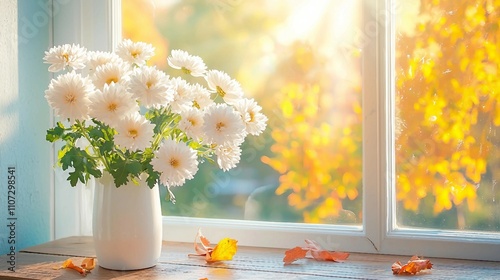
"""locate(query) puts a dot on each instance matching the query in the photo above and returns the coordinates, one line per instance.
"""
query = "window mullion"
(373, 122)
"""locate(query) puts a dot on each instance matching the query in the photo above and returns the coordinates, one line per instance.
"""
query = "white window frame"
(97, 25)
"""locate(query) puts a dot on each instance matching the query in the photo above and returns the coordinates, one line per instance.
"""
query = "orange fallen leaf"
(223, 251)
(294, 254)
(69, 264)
(412, 267)
(329, 256)
(88, 264)
(316, 252)
(323, 255)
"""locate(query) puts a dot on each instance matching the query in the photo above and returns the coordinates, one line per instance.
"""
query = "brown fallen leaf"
(223, 251)
(412, 267)
(316, 252)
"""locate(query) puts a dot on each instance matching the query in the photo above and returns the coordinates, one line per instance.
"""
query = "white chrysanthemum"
(228, 156)
(151, 87)
(192, 123)
(223, 125)
(176, 162)
(135, 132)
(135, 52)
(183, 95)
(255, 121)
(220, 82)
(72, 56)
(112, 103)
(68, 95)
(98, 58)
(189, 64)
(201, 97)
(111, 73)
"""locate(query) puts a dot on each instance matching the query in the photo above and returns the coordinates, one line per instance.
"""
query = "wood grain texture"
(39, 262)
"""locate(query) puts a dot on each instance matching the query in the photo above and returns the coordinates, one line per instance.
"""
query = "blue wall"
(24, 146)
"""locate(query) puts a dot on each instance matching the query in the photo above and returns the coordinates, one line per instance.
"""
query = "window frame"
(378, 233)
(95, 25)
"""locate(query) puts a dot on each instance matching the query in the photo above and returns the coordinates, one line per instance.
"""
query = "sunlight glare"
(303, 19)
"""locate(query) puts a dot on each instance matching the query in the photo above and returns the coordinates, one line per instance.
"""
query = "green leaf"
(153, 178)
(68, 157)
(92, 170)
(55, 133)
(73, 178)
(71, 137)
(84, 165)
(106, 147)
(95, 132)
(133, 167)
(159, 118)
(123, 168)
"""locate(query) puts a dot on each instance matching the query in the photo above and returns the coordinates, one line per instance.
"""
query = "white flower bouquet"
(135, 119)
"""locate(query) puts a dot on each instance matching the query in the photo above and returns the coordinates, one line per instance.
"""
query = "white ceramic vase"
(127, 225)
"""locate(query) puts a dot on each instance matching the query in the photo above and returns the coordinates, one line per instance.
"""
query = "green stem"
(96, 149)
(164, 131)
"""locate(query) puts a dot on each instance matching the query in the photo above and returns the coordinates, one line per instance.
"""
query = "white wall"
(24, 119)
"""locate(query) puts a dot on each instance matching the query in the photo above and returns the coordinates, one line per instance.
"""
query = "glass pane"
(448, 114)
(301, 62)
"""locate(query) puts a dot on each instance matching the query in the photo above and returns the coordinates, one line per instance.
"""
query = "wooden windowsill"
(38, 262)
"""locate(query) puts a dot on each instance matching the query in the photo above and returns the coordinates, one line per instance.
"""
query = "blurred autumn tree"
(448, 114)
(317, 149)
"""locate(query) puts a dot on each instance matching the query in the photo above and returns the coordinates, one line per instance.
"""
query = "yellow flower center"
(112, 107)
(70, 98)
(149, 84)
(133, 133)
(196, 105)
(185, 70)
(66, 57)
(192, 122)
(219, 126)
(220, 91)
(135, 53)
(112, 79)
(174, 162)
(252, 116)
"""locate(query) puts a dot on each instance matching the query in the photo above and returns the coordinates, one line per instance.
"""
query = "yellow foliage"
(443, 201)
(448, 99)
(317, 156)
(224, 250)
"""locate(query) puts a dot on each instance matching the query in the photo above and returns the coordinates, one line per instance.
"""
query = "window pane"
(448, 114)
(300, 61)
